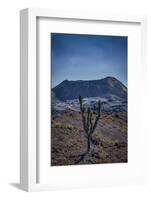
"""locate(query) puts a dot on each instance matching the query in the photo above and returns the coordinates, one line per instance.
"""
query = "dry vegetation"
(68, 143)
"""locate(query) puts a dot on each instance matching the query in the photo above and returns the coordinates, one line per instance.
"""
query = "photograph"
(88, 99)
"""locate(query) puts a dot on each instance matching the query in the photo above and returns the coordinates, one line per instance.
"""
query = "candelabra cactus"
(89, 125)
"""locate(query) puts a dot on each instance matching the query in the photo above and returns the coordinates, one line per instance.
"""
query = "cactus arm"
(95, 124)
(83, 119)
(88, 120)
(96, 119)
(82, 109)
(91, 124)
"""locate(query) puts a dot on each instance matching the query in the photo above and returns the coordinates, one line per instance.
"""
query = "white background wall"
(9, 97)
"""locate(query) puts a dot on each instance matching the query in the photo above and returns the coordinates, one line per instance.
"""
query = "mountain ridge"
(68, 90)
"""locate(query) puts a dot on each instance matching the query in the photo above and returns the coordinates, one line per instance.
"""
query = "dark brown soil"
(68, 141)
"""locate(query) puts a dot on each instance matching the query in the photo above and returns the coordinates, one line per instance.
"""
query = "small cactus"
(88, 125)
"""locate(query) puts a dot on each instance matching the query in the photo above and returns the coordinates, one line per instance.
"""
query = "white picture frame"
(29, 148)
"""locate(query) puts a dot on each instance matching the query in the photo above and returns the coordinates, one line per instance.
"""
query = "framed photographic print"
(82, 78)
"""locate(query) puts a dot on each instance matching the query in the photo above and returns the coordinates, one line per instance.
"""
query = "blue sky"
(88, 57)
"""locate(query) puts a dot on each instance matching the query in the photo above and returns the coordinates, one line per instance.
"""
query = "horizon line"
(89, 80)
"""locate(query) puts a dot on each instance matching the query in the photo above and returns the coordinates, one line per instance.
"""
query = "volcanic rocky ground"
(68, 141)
